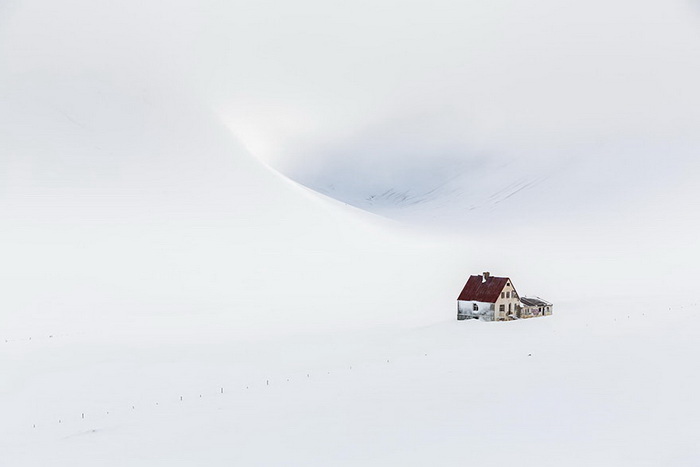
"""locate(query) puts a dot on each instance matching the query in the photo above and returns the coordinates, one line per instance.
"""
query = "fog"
(400, 108)
(305, 84)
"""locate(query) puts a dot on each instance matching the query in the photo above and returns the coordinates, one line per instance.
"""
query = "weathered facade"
(532, 307)
(488, 298)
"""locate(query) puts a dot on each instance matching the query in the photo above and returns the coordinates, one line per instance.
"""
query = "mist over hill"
(574, 109)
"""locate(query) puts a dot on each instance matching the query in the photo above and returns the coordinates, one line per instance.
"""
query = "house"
(488, 298)
(534, 306)
(492, 298)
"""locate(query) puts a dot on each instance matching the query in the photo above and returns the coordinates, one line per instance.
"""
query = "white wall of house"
(484, 310)
(507, 302)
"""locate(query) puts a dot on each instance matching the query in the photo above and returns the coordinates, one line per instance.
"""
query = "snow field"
(583, 386)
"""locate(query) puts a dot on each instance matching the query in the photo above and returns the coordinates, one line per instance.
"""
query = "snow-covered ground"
(169, 296)
(602, 384)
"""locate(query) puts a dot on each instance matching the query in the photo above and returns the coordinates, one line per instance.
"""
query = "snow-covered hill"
(169, 296)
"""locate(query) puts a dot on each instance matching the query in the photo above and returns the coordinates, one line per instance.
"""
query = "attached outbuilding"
(532, 307)
(488, 298)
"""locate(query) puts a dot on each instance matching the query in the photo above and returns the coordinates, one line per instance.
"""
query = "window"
(502, 308)
(503, 295)
(475, 307)
(507, 294)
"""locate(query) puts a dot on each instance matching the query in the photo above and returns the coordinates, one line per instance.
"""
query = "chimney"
(486, 275)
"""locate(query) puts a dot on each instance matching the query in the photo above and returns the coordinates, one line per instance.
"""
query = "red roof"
(479, 290)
